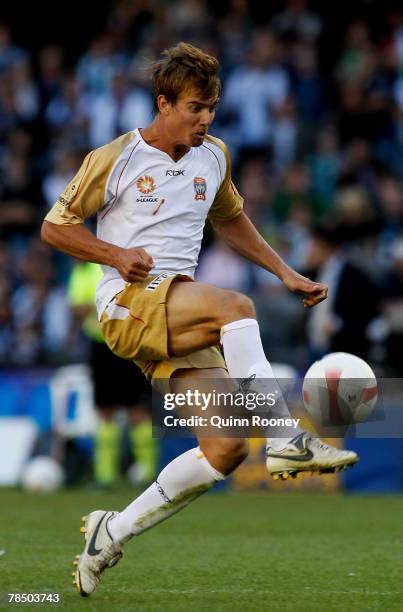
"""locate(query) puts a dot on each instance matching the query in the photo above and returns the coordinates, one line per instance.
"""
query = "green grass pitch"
(227, 551)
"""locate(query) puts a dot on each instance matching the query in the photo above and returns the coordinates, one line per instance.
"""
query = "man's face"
(188, 120)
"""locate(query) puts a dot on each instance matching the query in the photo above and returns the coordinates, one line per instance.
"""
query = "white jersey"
(144, 199)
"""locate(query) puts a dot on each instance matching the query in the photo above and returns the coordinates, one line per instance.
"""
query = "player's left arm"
(235, 228)
(242, 236)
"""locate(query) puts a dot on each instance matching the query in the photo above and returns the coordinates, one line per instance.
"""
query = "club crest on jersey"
(146, 184)
(200, 186)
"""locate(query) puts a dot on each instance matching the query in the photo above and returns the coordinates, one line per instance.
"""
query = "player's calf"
(225, 454)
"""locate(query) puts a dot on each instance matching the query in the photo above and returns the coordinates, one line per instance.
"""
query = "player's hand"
(312, 292)
(134, 265)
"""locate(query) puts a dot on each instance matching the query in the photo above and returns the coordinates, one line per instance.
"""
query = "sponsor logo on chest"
(146, 185)
(175, 172)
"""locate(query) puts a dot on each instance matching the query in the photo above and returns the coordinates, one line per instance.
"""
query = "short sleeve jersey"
(143, 199)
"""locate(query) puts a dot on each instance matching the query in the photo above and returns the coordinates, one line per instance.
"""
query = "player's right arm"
(64, 229)
(133, 265)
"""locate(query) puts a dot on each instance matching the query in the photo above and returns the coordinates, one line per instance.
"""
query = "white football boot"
(305, 453)
(100, 552)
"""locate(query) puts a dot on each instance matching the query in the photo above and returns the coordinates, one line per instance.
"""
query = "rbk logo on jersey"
(200, 187)
(175, 173)
(146, 184)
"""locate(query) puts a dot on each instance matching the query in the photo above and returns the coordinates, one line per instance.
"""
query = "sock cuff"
(207, 465)
(238, 325)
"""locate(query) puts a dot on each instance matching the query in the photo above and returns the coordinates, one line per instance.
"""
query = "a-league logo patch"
(200, 186)
(146, 184)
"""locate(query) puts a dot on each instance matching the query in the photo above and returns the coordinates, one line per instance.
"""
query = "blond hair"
(183, 67)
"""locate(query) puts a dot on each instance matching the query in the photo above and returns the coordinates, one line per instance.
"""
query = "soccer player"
(153, 189)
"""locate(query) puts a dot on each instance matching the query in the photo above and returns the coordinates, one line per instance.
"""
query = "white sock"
(179, 483)
(244, 356)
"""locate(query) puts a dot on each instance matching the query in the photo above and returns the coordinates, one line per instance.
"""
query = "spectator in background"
(392, 310)
(40, 311)
(255, 187)
(365, 92)
(308, 85)
(341, 324)
(66, 115)
(65, 164)
(354, 63)
(297, 21)
(353, 120)
(253, 93)
(138, 24)
(358, 166)
(10, 55)
(324, 164)
(188, 19)
(19, 143)
(97, 67)
(234, 27)
(359, 216)
(285, 136)
(26, 96)
(8, 114)
(20, 199)
(117, 384)
(222, 267)
(51, 72)
(389, 193)
(119, 110)
(295, 192)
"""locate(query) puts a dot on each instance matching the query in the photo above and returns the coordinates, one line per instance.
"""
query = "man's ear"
(164, 106)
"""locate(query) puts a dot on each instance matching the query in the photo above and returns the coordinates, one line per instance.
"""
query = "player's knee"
(227, 454)
(237, 306)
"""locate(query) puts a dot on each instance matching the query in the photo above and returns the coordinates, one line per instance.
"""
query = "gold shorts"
(134, 325)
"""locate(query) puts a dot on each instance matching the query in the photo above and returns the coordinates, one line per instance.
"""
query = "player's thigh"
(197, 311)
(224, 453)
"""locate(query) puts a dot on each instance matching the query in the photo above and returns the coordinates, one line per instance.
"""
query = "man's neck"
(157, 136)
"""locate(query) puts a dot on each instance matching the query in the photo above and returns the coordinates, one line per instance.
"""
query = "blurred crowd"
(317, 148)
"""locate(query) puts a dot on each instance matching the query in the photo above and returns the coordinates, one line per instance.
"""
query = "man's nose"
(205, 117)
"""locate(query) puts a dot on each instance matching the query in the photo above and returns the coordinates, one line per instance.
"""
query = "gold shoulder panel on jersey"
(221, 144)
(85, 193)
(227, 204)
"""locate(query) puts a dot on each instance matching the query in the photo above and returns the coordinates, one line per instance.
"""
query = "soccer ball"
(340, 389)
(42, 474)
